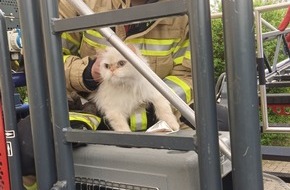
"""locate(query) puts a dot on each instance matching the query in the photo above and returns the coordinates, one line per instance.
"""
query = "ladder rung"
(278, 84)
(121, 16)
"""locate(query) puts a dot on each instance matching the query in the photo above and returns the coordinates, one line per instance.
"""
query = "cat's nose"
(112, 68)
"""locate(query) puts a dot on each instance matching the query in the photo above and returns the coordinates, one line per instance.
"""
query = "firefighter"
(164, 42)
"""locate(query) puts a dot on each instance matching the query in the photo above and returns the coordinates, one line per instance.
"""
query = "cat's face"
(115, 68)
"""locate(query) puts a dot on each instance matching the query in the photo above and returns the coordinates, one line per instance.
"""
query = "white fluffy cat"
(124, 90)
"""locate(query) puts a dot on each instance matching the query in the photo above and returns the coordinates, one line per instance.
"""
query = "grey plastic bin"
(112, 167)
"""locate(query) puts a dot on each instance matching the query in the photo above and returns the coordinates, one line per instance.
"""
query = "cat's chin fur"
(120, 96)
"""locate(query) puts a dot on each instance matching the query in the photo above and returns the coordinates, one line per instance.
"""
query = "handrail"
(260, 37)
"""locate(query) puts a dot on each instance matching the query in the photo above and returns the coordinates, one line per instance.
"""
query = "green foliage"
(218, 47)
(272, 17)
(275, 139)
(23, 93)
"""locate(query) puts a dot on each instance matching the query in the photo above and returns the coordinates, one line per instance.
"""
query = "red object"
(287, 38)
(283, 25)
(280, 109)
(4, 171)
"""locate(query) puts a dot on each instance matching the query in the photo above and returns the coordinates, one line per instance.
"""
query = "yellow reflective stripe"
(153, 47)
(138, 121)
(156, 53)
(182, 52)
(94, 33)
(69, 45)
(179, 60)
(65, 57)
(185, 94)
(93, 43)
(91, 120)
(185, 43)
(150, 47)
(31, 187)
(133, 123)
(66, 51)
(68, 37)
(95, 39)
(187, 54)
(153, 41)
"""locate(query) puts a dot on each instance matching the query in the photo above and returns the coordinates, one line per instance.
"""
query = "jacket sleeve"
(74, 68)
(77, 69)
(180, 79)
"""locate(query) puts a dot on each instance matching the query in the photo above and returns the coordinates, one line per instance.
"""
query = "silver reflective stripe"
(155, 47)
(151, 47)
(181, 52)
(176, 88)
(138, 124)
(96, 40)
(70, 46)
(138, 121)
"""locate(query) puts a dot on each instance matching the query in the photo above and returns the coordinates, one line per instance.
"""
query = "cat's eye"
(106, 65)
(121, 63)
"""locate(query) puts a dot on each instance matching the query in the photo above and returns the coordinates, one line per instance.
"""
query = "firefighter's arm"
(180, 79)
(78, 74)
(70, 40)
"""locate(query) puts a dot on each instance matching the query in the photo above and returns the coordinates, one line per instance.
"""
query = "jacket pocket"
(164, 66)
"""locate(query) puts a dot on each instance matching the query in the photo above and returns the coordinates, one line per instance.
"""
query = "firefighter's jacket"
(164, 42)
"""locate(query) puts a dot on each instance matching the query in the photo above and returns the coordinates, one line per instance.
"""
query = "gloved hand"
(95, 71)
(91, 75)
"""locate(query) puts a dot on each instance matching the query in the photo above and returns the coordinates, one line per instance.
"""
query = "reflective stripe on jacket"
(91, 121)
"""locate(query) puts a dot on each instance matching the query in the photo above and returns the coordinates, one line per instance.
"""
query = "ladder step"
(275, 153)
(278, 84)
(281, 98)
(282, 77)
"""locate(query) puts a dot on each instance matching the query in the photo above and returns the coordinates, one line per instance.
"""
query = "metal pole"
(58, 98)
(37, 92)
(242, 92)
(205, 101)
(9, 108)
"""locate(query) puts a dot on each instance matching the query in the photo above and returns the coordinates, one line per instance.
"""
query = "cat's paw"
(173, 124)
(122, 128)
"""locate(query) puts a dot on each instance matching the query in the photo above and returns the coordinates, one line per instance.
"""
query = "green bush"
(275, 139)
